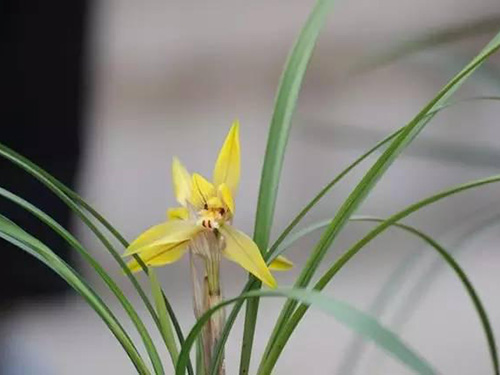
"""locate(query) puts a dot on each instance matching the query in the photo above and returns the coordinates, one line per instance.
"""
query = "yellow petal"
(182, 182)
(159, 255)
(166, 233)
(178, 213)
(227, 167)
(202, 191)
(226, 196)
(214, 202)
(280, 264)
(241, 249)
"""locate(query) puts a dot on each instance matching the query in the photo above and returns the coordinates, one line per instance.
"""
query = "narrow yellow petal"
(227, 167)
(166, 233)
(159, 255)
(226, 197)
(202, 191)
(178, 213)
(242, 250)
(182, 182)
(280, 264)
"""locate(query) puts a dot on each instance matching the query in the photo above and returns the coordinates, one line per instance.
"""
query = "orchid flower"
(202, 223)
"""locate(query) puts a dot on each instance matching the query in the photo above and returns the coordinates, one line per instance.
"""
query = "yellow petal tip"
(181, 181)
(227, 166)
(281, 264)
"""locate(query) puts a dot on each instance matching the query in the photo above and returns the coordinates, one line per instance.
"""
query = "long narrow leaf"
(283, 243)
(297, 219)
(237, 307)
(423, 286)
(293, 321)
(284, 107)
(76, 245)
(386, 159)
(341, 311)
(18, 237)
(373, 175)
(165, 323)
(48, 180)
(117, 235)
(451, 262)
(69, 197)
(395, 282)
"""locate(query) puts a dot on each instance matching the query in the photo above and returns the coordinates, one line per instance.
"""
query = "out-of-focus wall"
(168, 79)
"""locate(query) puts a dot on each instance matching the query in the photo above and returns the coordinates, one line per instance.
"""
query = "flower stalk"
(207, 293)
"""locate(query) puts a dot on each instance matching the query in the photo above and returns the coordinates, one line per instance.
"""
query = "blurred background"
(103, 93)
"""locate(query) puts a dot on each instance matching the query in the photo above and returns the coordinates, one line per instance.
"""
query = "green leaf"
(46, 179)
(286, 100)
(396, 281)
(370, 179)
(297, 219)
(278, 243)
(200, 369)
(282, 243)
(386, 159)
(448, 258)
(341, 311)
(293, 321)
(165, 323)
(284, 107)
(18, 237)
(74, 201)
(106, 224)
(76, 245)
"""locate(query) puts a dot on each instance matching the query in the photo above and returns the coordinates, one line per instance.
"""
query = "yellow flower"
(203, 221)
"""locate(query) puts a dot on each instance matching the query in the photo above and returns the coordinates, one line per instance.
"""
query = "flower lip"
(213, 216)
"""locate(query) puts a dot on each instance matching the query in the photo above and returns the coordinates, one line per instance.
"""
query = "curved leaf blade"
(370, 179)
(75, 203)
(341, 311)
(165, 323)
(76, 245)
(297, 315)
(18, 237)
(284, 241)
(284, 107)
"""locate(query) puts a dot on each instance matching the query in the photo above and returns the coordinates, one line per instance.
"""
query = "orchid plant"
(202, 228)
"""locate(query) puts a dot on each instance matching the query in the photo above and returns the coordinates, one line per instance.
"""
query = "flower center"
(211, 217)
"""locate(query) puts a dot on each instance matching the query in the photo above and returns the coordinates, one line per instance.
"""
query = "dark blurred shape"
(42, 88)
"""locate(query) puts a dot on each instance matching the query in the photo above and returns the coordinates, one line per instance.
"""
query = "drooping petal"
(241, 249)
(202, 191)
(226, 197)
(170, 232)
(182, 182)
(159, 255)
(227, 167)
(281, 264)
(178, 213)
